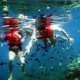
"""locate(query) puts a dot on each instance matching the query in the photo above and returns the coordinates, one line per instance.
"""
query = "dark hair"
(49, 15)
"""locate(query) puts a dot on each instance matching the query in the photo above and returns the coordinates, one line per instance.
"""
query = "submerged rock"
(73, 71)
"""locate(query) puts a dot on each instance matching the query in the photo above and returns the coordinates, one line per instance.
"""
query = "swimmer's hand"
(70, 40)
(27, 49)
(17, 34)
(22, 40)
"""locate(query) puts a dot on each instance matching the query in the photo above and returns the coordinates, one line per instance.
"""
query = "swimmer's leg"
(45, 41)
(52, 41)
(22, 59)
(11, 58)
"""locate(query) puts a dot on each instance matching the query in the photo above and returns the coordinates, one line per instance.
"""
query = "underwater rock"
(73, 71)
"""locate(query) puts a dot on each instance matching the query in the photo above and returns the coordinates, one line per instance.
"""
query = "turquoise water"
(42, 65)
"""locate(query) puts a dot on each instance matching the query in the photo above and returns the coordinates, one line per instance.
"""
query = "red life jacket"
(12, 38)
(10, 21)
(45, 33)
(50, 32)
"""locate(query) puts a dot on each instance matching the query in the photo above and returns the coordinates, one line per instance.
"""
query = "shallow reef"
(73, 71)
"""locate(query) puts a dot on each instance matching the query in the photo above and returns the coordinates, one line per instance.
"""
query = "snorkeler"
(15, 39)
(45, 30)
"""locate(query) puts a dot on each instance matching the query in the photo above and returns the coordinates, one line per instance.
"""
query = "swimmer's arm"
(64, 33)
(68, 38)
(25, 36)
(31, 42)
(28, 47)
